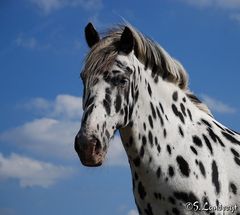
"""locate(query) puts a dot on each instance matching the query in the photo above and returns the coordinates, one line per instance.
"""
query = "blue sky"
(42, 48)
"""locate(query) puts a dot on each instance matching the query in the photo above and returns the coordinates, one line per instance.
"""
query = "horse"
(182, 160)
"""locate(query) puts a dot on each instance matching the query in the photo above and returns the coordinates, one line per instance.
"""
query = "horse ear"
(126, 44)
(91, 35)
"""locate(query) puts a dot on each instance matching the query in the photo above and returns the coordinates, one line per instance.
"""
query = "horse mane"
(152, 55)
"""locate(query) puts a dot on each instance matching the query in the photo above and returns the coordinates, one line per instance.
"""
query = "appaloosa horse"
(182, 160)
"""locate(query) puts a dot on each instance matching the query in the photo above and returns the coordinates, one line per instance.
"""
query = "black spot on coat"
(208, 144)
(169, 149)
(231, 138)
(183, 166)
(150, 121)
(186, 197)
(233, 188)
(183, 109)
(206, 123)
(214, 137)
(235, 153)
(237, 160)
(202, 168)
(149, 90)
(142, 151)
(141, 190)
(153, 110)
(158, 172)
(189, 114)
(137, 161)
(170, 171)
(197, 141)
(178, 113)
(180, 131)
(150, 138)
(148, 210)
(118, 103)
(194, 150)
(215, 177)
(175, 96)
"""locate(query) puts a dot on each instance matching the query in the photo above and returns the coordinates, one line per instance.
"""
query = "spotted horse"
(182, 160)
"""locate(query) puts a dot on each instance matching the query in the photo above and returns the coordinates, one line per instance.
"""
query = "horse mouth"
(91, 160)
(91, 163)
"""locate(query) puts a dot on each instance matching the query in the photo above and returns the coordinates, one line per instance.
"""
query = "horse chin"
(92, 160)
(92, 164)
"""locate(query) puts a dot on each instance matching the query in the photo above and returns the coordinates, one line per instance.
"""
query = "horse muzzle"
(89, 150)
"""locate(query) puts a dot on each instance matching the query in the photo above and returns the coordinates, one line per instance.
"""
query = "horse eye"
(123, 81)
(119, 81)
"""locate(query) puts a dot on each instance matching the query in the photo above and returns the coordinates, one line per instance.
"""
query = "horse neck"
(155, 121)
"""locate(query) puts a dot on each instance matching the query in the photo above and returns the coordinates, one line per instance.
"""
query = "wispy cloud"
(25, 42)
(224, 4)
(218, 106)
(52, 134)
(48, 6)
(96, 20)
(232, 6)
(89, 4)
(31, 172)
(29, 42)
(200, 3)
(235, 17)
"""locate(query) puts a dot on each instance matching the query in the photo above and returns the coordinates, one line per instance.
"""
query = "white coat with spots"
(182, 160)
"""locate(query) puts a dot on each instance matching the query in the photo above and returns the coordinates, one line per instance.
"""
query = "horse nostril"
(77, 146)
(97, 146)
(96, 143)
(83, 144)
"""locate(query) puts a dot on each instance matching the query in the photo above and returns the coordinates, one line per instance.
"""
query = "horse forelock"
(103, 54)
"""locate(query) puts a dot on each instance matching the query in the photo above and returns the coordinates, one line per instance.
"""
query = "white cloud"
(217, 106)
(69, 106)
(199, 3)
(132, 212)
(45, 136)
(31, 172)
(235, 17)
(116, 155)
(48, 6)
(231, 4)
(88, 4)
(63, 106)
(53, 134)
(29, 43)
(225, 4)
